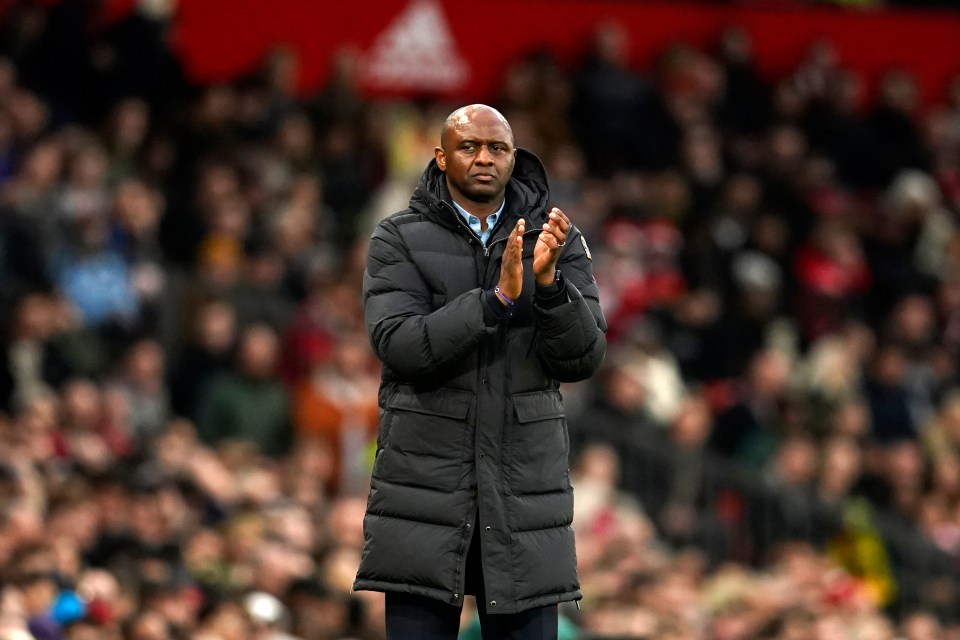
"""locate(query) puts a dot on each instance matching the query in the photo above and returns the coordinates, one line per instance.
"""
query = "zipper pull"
(486, 251)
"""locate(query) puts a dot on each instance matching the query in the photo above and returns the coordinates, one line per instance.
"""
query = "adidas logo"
(416, 52)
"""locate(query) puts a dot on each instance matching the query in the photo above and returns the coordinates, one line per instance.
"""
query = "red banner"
(460, 50)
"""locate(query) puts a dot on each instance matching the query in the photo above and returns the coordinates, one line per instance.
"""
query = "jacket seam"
(417, 486)
(418, 520)
(535, 529)
(550, 492)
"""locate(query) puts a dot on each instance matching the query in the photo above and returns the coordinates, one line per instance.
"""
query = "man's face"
(477, 154)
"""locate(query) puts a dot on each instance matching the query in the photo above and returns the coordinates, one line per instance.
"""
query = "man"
(479, 301)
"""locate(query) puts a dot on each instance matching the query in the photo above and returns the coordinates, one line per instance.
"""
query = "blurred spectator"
(261, 296)
(331, 310)
(750, 429)
(791, 473)
(136, 217)
(941, 434)
(887, 396)
(860, 550)
(833, 276)
(96, 279)
(85, 193)
(746, 98)
(207, 354)
(33, 366)
(615, 115)
(83, 437)
(619, 414)
(840, 467)
(893, 120)
(921, 626)
(142, 385)
(247, 403)
(318, 612)
(689, 511)
(337, 405)
(31, 195)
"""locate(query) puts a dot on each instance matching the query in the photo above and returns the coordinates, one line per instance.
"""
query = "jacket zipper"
(473, 236)
(486, 249)
(472, 240)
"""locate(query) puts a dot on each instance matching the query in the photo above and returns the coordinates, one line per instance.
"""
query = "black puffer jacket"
(471, 416)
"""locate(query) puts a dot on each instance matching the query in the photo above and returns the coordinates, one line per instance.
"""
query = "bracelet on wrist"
(505, 299)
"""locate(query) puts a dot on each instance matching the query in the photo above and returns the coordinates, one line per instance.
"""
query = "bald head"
(477, 155)
(465, 116)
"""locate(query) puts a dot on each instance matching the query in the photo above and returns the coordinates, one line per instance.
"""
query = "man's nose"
(483, 155)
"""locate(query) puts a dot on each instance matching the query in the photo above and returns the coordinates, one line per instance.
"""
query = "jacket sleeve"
(571, 338)
(414, 340)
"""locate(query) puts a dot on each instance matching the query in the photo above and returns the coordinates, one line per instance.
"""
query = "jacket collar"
(527, 195)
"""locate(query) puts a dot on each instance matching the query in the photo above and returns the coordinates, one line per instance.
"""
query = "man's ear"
(441, 158)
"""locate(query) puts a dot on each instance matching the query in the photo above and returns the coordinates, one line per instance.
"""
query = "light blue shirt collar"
(474, 222)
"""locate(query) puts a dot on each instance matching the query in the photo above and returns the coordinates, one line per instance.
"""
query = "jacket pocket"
(424, 443)
(536, 445)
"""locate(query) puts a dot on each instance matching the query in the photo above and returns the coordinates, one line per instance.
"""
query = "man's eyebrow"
(475, 139)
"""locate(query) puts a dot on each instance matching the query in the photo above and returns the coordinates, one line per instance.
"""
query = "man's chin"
(485, 196)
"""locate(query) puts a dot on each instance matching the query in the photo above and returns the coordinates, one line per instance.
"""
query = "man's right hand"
(511, 268)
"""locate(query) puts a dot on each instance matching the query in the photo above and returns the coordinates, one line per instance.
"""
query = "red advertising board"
(460, 49)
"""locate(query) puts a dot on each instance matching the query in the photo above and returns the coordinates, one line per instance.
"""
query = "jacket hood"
(527, 192)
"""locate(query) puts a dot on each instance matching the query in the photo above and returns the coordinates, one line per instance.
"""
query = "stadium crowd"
(772, 450)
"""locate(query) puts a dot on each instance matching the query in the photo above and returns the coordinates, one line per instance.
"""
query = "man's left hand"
(549, 245)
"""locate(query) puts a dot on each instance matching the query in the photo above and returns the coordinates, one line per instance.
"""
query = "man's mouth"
(483, 177)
